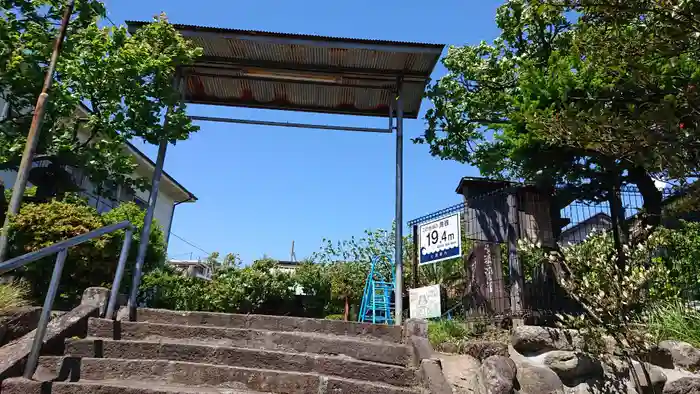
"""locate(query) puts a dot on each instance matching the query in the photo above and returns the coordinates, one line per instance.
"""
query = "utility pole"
(34, 131)
(293, 256)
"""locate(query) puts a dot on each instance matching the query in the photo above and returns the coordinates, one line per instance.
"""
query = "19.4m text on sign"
(440, 240)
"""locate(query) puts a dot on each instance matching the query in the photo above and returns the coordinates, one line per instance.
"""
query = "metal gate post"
(148, 219)
(398, 291)
(146, 231)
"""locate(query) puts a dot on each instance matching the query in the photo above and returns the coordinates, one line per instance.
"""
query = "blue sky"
(259, 188)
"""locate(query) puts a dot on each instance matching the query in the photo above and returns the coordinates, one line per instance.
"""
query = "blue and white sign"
(440, 240)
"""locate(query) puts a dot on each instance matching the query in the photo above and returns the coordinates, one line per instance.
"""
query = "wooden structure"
(496, 213)
(486, 214)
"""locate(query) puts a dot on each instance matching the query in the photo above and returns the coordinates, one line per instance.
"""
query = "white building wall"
(164, 209)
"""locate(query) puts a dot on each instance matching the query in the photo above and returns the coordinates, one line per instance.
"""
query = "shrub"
(613, 292)
(40, 225)
(680, 253)
(12, 295)
(256, 289)
(336, 316)
(92, 263)
(156, 252)
(165, 288)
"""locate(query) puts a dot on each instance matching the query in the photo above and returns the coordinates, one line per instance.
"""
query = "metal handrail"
(62, 249)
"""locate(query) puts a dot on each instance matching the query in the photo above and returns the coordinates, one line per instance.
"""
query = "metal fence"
(493, 279)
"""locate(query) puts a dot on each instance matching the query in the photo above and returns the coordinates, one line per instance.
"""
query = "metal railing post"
(33, 359)
(109, 314)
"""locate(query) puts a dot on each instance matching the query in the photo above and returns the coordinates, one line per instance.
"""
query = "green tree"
(213, 262)
(627, 86)
(347, 281)
(349, 262)
(314, 280)
(379, 242)
(232, 260)
(525, 106)
(124, 81)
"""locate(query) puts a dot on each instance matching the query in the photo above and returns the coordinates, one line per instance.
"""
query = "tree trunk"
(346, 315)
(652, 196)
(619, 226)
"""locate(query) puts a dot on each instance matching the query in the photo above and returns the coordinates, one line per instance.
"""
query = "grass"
(12, 295)
(674, 321)
(452, 336)
(445, 331)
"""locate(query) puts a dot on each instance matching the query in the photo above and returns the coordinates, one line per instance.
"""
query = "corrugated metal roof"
(305, 72)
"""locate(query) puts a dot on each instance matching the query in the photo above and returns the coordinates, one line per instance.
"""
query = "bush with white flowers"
(613, 292)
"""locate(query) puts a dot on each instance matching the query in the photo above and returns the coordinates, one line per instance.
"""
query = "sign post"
(440, 240)
(414, 256)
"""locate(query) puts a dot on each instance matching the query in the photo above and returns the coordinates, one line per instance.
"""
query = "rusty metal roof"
(305, 72)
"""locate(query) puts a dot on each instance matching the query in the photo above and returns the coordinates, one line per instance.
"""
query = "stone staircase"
(197, 352)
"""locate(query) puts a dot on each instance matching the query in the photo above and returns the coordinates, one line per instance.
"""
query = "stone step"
(241, 357)
(24, 386)
(213, 377)
(273, 323)
(377, 351)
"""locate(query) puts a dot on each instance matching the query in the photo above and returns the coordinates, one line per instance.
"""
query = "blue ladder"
(378, 297)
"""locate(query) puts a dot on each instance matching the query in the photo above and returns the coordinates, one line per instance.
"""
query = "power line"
(111, 21)
(106, 16)
(189, 243)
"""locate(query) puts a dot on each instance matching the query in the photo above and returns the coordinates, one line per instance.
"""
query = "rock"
(570, 366)
(96, 296)
(18, 322)
(683, 386)
(659, 356)
(615, 366)
(603, 386)
(532, 379)
(655, 382)
(515, 356)
(462, 372)
(610, 345)
(448, 347)
(482, 350)
(412, 327)
(498, 374)
(534, 339)
(683, 354)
